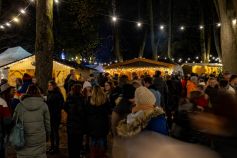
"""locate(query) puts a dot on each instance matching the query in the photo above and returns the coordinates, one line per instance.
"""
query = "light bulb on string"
(16, 20)
(201, 27)
(32, 0)
(8, 24)
(114, 18)
(197, 58)
(139, 24)
(56, 1)
(2, 27)
(182, 28)
(218, 25)
(234, 21)
(23, 11)
(162, 27)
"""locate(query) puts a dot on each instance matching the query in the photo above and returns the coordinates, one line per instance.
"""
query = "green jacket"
(34, 113)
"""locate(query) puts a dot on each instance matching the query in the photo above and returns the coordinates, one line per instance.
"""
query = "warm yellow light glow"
(234, 21)
(114, 19)
(23, 11)
(16, 20)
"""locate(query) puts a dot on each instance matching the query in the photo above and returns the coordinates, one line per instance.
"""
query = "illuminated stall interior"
(140, 66)
(14, 62)
(200, 68)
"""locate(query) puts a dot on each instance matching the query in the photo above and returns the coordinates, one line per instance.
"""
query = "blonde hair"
(98, 96)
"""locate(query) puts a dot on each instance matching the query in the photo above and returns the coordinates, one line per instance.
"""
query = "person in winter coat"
(147, 82)
(145, 116)
(161, 86)
(66, 87)
(98, 122)
(33, 111)
(124, 105)
(5, 121)
(76, 120)
(111, 94)
(27, 81)
(55, 103)
(192, 85)
(212, 89)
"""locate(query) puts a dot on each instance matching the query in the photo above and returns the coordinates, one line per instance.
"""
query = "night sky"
(185, 12)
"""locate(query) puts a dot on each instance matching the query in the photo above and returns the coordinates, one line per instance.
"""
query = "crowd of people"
(193, 108)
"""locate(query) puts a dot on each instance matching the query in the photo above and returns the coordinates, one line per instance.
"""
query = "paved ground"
(63, 147)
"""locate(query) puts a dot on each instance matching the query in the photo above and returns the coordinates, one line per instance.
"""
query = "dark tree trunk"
(209, 36)
(154, 43)
(202, 35)
(141, 52)
(116, 36)
(228, 35)
(44, 44)
(169, 53)
(0, 7)
(117, 45)
(217, 42)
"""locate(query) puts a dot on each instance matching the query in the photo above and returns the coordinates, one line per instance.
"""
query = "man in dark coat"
(161, 86)
(66, 82)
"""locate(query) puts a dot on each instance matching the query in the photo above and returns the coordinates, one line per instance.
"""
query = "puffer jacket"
(34, 113)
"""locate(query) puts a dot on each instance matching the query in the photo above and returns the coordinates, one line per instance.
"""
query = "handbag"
(16, 138)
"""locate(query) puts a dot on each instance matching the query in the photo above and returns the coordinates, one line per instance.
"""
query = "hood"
(32, 103)
(136, 122)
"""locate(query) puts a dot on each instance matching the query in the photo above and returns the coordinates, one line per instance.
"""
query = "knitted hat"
(144, 96)
(86, 84)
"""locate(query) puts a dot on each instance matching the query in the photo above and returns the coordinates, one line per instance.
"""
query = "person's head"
(52, 85)
(98, 97)
(76, 89)
(73, 77)
(72, 71)
(109, 86)
(212, 82)
(128, 91)
(87, 85)
(147, 81)
(19, 81)
(224, 84)
(144, 96)
(233, 81)
(194, 96)
(201, 87)
(136, 83)
(158, 73)
(194, 79)
(33, 91)
(123, 80)
(227, 75)
(34, 80)
(26, 78)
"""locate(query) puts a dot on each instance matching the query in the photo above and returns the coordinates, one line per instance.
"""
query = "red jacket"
(5, 116)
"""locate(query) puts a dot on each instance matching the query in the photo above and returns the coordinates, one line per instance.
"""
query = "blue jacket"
(158, 124)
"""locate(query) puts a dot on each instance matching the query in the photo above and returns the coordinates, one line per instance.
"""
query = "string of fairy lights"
(115, 20)
(17, 19)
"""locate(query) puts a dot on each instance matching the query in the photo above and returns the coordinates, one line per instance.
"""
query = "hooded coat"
(34, 113)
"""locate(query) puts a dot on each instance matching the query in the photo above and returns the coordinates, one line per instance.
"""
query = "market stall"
(200, 68)
(140, 66)
(14, 62)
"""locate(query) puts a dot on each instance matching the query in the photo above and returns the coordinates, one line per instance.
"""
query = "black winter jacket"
(55, 102)
(98, 120)
(76, 119)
